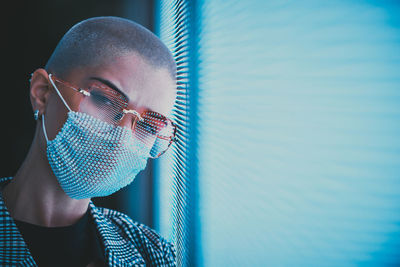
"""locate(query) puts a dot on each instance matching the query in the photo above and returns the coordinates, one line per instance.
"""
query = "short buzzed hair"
(96, 40)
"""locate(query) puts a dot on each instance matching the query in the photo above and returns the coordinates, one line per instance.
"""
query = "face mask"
(92, 158)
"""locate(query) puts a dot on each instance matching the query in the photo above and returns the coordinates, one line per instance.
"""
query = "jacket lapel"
(119, 251)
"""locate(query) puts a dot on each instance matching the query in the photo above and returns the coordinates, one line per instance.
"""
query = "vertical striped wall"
(297, 120)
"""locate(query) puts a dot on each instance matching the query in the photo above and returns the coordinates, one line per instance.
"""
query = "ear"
(40, 90)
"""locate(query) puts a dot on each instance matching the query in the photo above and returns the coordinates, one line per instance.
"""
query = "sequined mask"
(92, 158)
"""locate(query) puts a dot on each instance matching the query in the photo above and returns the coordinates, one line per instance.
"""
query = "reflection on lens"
(104, 104)
(156, 132)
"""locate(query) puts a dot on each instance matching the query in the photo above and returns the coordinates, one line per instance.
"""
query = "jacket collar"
(14, 251)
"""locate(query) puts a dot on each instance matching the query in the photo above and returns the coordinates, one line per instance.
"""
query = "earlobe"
(39, 90)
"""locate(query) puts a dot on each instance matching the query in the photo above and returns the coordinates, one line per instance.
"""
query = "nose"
(129, 119)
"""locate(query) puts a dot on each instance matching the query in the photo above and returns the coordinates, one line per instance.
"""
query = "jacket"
(125, 242)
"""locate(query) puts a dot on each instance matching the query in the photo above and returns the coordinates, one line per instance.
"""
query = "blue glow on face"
(299, 127)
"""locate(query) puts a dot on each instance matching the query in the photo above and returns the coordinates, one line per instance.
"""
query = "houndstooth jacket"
(126, 243)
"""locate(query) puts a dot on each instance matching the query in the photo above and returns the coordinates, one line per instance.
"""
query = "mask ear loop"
(63, 100)
(58, 92)
(44, 129)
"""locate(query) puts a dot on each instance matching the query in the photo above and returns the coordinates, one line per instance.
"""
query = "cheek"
(56, 112)
(55, 116)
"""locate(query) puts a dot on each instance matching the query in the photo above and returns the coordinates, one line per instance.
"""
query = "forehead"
(146, 86)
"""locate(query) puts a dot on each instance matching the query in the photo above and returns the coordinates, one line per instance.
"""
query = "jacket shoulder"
(150, 244)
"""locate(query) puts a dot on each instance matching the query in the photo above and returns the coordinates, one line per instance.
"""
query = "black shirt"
(75, 245)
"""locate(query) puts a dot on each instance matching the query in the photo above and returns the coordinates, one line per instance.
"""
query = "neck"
(34, 195)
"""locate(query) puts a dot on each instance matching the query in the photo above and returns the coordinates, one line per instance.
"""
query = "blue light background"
(299, 126)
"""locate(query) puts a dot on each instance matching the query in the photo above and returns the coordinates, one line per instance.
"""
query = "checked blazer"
(125, 242)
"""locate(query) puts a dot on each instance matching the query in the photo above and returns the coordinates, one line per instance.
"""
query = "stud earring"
(36, 114)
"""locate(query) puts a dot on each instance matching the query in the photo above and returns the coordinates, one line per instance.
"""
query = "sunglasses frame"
(140, 116)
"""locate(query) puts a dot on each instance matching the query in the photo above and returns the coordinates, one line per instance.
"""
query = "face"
(148, 89)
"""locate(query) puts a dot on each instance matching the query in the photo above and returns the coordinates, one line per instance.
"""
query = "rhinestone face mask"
(92, 158)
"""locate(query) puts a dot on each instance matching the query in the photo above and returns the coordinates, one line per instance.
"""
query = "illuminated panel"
(298, 134)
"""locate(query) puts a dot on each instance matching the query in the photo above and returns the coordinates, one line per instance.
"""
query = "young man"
(100, 105)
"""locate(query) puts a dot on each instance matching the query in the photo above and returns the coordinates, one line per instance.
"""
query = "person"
(101, 105)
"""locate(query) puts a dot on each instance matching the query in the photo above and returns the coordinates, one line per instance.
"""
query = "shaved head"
(98, 40)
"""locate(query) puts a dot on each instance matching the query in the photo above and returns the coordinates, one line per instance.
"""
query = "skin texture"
(34, 195)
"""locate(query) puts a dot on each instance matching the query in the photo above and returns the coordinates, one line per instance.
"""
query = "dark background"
(30, 32)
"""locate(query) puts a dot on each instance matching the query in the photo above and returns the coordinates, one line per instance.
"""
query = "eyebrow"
(111, 85)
